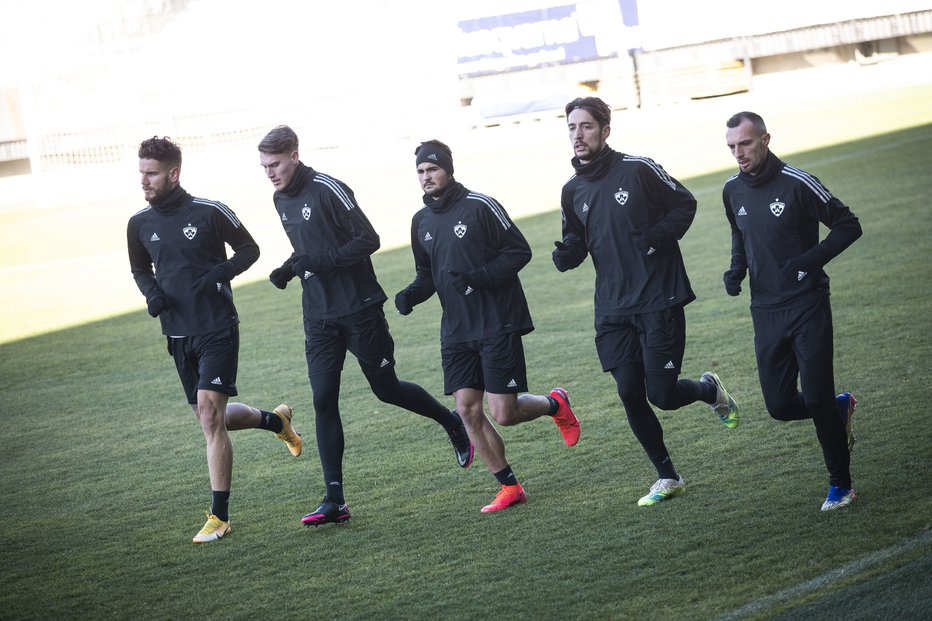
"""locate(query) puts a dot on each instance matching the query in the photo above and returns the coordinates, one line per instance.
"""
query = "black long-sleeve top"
(470, 233)
(615, 208)
(323, 221)
(774, 217)
(183, 238)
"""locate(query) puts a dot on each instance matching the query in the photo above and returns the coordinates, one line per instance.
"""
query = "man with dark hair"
(184, 238)
(468, 251)
(774, 211)
(629, 213)
(342, 304)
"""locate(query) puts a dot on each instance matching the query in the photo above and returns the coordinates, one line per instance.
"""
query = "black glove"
(210, 282)
(281, 276)
(563, 257)
(809, 262)
(732, 279)
(156, 303)
(402, 303)
(304, 266)
(793, 270)
(646, 242)
(463, 282)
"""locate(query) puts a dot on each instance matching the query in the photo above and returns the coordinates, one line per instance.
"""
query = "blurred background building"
(651, 52)
(82, 83)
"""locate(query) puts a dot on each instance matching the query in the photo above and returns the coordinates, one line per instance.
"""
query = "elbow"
(524, 258)
(249, 252)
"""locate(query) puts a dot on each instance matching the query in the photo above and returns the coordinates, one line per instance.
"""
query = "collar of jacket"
(769, 169)
(453, 193)
(172, 201)
(296, 184)
(595, 168)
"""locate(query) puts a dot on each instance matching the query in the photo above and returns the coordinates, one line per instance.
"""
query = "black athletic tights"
(389, 389)
(666, 392)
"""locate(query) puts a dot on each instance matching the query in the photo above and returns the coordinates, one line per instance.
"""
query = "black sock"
(554, 405)
(666, 470)
(220, 505)
(506, 476)
(270, 421)
(710, 392)
(335, 491)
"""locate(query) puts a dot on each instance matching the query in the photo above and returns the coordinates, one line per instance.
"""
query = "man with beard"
(468, 251)
(185, 239)
(628, 213)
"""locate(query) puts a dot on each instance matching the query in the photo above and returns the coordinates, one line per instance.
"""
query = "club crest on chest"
(189, 231)
(459, 230)
(776, 207)
(621, 196)
(306, 212)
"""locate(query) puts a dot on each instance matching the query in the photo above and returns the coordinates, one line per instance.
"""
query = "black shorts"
(795, 345)
(207, 361)
(364, 334)
(495, 365)
(655, 340)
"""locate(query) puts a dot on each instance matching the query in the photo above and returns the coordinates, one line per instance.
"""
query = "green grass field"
(104, 479)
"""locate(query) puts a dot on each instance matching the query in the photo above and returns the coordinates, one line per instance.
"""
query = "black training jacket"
(628, 214)
(470, 233)
(184, 237)
(774, 217)
(323, 221)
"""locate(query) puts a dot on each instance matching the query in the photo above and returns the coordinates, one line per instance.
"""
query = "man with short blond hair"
(342, 300)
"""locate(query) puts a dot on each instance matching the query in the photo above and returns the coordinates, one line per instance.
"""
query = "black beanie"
(436, 152)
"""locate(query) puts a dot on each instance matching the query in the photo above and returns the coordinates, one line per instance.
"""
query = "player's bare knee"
(472, 416)
(506, 417)
(212, 418)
